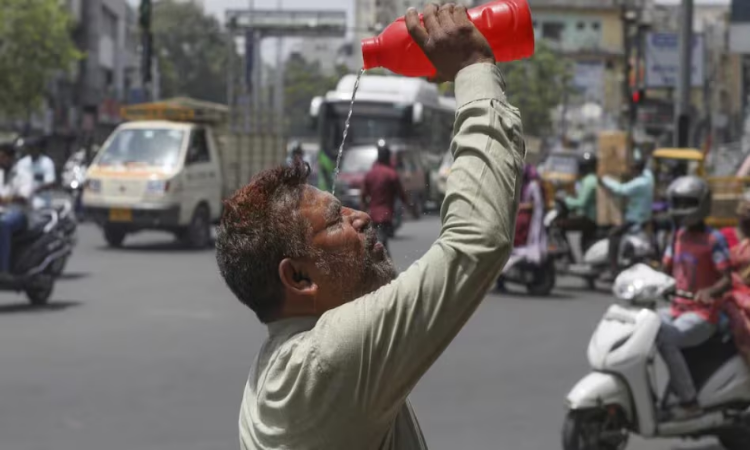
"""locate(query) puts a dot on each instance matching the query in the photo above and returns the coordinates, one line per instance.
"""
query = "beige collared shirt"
(341, 382)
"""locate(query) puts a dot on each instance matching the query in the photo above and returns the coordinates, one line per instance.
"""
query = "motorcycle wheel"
(544, 279)
(40, 289)
(736, 438)
(593, 430)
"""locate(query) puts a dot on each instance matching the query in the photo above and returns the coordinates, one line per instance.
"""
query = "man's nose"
(360, 220)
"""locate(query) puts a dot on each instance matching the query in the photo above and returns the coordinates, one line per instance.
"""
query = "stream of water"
(346, 131)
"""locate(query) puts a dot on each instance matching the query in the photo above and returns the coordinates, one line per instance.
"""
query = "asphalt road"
(144, 348)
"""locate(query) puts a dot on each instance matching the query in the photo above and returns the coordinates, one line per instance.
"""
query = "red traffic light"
(638, 96)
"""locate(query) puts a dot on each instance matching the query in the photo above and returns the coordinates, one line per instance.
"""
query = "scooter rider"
(16, 189)
(41, 167)
(583, 204)
(639, 192)
(698, 259)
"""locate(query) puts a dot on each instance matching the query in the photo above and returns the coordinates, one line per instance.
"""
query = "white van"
(167, 174)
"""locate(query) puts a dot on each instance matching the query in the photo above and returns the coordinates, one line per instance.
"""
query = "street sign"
(663, 60)
(290, 23)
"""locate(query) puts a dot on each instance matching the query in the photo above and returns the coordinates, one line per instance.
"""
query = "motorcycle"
(619, 396)
(538, 278)
(35, 251)
(74, 177)
(67, 230)
(635, 247)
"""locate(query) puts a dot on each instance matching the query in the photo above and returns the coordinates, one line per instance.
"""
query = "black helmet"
(384, 152)
(24, 143)
(295, 148)
(587, 162)
(689, 200)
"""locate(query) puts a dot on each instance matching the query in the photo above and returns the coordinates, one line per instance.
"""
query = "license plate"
(120, 215)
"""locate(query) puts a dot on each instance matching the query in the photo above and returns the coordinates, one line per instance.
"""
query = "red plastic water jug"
(506, 24)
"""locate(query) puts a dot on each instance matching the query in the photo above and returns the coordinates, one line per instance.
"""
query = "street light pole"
(279, 83)
(682, 106)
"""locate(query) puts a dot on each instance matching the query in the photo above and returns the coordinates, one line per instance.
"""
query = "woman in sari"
(530, 241)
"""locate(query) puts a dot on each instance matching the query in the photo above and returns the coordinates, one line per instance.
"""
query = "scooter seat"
(705, 359)
(34, 230)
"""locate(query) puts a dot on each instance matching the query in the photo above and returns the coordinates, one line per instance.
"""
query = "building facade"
(84, 102)
(590, 34)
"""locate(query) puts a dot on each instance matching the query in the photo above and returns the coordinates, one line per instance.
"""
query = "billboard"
(663, 60)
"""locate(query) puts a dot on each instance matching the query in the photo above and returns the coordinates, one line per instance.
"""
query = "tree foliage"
(192, 50)
(537, 85)
(304, 80)
(35, 42)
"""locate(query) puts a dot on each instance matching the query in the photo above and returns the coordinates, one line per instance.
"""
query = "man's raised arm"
(377, 347)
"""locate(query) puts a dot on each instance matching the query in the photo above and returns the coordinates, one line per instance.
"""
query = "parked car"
(357, 161)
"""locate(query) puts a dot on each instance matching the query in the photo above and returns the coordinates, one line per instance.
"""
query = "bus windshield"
(156, 147)
(370, 122)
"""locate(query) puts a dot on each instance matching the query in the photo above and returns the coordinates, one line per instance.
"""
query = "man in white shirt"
(16, 189)
(41, 168)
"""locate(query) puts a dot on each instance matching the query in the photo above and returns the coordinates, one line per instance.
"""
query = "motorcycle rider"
(639, 193)
(381, 188)
(41, 167)
(698, 259)
(16, 189)
(583, 204)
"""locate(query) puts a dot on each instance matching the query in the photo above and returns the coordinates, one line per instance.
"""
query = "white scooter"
(620, 397)
(635, 247)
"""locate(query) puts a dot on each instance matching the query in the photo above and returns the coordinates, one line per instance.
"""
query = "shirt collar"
(290, 327)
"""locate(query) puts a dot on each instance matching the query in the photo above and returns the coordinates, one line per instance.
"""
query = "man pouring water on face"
(347, 339)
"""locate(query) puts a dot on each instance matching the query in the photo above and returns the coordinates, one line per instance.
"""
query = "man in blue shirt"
(639, 193)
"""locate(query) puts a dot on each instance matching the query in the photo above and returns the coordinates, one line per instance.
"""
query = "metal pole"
(279, 85)
(626, 92)
(682, 106)
(257, 97)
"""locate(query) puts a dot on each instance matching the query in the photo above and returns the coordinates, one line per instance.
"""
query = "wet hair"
(261, 225)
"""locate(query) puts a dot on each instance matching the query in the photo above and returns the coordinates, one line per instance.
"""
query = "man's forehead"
(321, 201)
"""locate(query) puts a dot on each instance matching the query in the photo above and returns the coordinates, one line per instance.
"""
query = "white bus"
(406, 112)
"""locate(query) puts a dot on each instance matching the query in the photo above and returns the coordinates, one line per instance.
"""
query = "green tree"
(303, 81)
(537, 85)
(192, 50)
(35, 43)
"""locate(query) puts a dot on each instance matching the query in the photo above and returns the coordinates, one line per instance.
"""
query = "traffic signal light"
(639, 96)
(144, 19)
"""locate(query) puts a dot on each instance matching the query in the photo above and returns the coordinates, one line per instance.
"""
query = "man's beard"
(357, 276)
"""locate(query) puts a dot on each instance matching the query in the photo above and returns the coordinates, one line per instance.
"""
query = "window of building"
(595, 26)
(581, 26)
(553, 30)
(108, 80)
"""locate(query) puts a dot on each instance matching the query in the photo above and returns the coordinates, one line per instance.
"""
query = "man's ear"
(295, 277)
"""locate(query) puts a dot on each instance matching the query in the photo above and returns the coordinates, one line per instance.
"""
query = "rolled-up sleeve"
(376, 348)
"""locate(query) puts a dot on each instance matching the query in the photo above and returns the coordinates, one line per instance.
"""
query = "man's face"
(348, 262)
